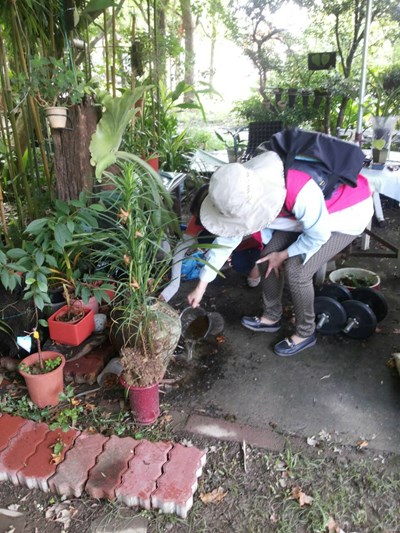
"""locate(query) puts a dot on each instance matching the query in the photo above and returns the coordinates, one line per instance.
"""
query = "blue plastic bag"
(191, 266)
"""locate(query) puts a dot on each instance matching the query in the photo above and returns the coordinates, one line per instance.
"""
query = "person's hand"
(275, 262)
(195, 297)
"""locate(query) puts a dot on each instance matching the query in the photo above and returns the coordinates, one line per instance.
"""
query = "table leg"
(365, 238)
(378, 207)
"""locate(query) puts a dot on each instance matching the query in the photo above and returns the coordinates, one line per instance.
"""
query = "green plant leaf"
(108, 135)
(97, 5)
(62, 234)
(36, 226)
(16, 253)
(379, 144)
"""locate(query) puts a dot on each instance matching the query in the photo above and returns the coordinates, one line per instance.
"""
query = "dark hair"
(198, 200)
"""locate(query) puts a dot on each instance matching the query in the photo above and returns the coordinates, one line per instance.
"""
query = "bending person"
(243, 258)
(300, 229)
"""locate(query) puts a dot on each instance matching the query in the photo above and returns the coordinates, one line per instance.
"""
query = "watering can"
(198, 324)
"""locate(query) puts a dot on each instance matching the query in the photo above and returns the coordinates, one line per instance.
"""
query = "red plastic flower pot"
(71, 333)
(144, 402)
(44, 389)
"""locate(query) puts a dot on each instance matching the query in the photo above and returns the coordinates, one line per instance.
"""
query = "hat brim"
(262, 212)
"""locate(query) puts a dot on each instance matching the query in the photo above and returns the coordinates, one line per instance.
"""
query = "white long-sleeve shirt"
(312, 220)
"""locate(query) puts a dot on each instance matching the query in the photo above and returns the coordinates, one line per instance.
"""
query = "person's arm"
(310, 210)
(181, 248)
(216, 258)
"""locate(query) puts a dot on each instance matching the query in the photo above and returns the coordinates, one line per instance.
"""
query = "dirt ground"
(334, 482)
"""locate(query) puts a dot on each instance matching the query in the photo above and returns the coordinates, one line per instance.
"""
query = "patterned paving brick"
(159, 475)
(72, 473)
(20, 448)
(40, 466)
(112, 463)
(145, 467)
(9, 426)
(175, 488)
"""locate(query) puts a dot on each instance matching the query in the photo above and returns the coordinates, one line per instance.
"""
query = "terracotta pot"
(144, 402)
(71, 333)
(57, 117)
(154, 163)
(44, 389)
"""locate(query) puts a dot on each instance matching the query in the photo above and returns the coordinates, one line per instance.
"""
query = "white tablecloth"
(384, 182)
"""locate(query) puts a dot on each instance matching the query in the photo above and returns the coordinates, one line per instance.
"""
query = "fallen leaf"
(333, 526)
(75, 402)
(301, 496)
(362, 443)
(56, 458)
(312, 441)
(62, 513)
(214, 496)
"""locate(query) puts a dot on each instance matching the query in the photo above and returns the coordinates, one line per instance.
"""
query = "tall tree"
(252, 28)
(345, 21)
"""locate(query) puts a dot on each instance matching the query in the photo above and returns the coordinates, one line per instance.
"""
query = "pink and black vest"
(342, 198)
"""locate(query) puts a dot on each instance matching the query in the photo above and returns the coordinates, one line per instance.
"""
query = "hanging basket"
(57, 117)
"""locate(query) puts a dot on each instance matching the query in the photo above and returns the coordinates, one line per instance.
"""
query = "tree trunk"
(188, 27)
(73, 170)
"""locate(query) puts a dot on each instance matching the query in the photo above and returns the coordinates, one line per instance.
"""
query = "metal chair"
(260, 132)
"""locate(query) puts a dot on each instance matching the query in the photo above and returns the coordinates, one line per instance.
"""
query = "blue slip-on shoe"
(286, 348)
(255, 324)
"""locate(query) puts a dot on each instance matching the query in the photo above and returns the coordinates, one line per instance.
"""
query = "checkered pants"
(299, 279)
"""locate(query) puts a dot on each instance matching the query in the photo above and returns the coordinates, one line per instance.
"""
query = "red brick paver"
(179, 480)
(160, 475)
(145, 467)
(20, 448)
(106, 475)
(9, 426)
(41, 465)
(72, 473)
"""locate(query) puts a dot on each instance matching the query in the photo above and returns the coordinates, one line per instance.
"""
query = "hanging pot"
(57, 117)
(292, 93)
(44, 389)
(144, 402)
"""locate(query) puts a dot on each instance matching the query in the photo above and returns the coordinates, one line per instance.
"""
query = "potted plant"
(51, 256)
(382, 129)
(138, 219)
(43, 373)
(233, 143)
(55, 86)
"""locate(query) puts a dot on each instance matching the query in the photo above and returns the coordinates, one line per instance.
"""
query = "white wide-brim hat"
(244, 198)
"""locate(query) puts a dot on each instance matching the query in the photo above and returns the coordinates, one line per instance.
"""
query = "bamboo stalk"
(31, 102)
(107, 58)
(113, 52)
(3, 217)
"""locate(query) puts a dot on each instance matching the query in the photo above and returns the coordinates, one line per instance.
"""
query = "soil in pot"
(141, 369)
(72, 315)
